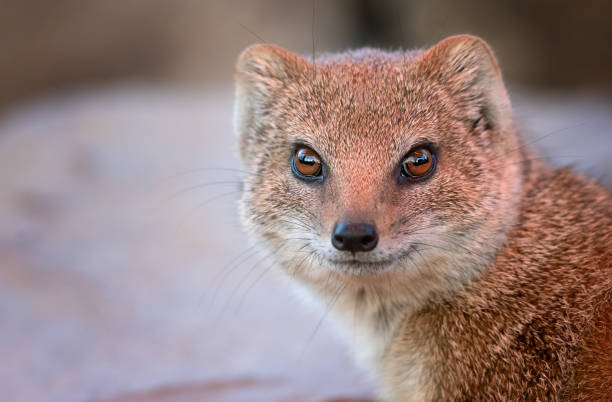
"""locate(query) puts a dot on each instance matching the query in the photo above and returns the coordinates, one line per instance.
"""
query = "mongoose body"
(396, 190)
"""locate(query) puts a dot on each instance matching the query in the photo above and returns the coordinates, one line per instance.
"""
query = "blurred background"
(124, 275)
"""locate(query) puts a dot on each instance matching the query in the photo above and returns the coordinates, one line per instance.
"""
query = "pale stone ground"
(114, 276)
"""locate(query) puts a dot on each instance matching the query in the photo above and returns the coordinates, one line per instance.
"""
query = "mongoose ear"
(268, 64)
(467, 67)
(261, 71)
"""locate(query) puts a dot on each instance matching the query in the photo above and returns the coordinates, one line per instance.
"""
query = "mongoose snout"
(353, 237)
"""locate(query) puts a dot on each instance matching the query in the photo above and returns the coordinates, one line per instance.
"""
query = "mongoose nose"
(354, 237)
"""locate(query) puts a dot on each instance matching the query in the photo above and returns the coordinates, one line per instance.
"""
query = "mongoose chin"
(394, 187)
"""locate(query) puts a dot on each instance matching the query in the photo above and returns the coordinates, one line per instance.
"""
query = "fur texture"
(492, 279)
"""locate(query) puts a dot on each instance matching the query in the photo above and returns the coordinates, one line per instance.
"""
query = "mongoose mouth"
(359, 267)
(356, 266)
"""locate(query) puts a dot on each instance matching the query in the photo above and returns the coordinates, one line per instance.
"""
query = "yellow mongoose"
(395, 188)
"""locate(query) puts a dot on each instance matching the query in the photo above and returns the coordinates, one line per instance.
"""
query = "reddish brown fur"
(536, 324)
(492, 279)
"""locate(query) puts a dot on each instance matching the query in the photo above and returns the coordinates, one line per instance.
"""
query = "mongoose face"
(375, 167)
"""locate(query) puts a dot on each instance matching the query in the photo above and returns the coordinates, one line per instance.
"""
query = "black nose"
(354, 236)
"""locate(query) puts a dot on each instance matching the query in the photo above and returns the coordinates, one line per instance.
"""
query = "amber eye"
(419, 163)
(306, 163)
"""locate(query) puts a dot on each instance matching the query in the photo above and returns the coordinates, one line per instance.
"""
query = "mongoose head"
(377, 168)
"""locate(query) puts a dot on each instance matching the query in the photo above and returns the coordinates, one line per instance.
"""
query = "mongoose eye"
(306, 163)
(419, 163)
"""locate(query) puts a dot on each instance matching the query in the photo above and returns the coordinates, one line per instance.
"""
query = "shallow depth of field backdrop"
(121, 273)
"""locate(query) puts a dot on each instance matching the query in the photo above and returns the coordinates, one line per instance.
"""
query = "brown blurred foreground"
(118, 272)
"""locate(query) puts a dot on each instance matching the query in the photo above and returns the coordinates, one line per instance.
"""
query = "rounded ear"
(268, 62)
(466, 65)
(261, 71)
